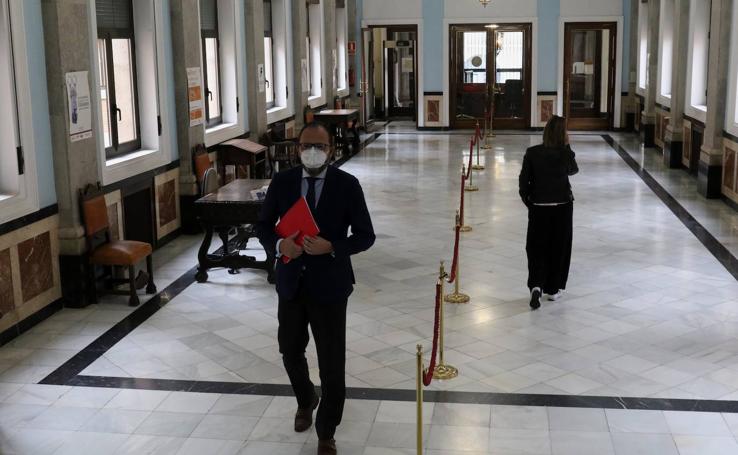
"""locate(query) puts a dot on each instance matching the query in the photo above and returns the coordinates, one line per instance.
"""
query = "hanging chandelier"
(485, 2)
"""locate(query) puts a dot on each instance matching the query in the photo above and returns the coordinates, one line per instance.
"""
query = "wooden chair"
(202, 162)
(308, 115)
(282, 154)
(103, 251)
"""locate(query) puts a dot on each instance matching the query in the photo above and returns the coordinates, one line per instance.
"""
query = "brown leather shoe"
(304, 417)
(327, 447)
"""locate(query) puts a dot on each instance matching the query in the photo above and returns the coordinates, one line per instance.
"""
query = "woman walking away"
(545, 190)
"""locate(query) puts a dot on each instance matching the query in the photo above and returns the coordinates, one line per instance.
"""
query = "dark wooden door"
(589, 75)
(491, 72)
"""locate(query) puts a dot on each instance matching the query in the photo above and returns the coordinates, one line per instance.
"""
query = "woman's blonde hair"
(554, 136)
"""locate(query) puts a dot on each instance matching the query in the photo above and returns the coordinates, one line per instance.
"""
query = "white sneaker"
(555, 297)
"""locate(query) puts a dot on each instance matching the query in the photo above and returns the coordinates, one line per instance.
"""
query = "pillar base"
(630, 121)
(77, 290)
(709, 179)
(673, 154)
(648, 134)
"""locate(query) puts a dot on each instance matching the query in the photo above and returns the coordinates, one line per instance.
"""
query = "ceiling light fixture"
(492, 26)
(485, 2)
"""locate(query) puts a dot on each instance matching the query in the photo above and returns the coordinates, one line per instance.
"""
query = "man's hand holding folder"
(294, 226)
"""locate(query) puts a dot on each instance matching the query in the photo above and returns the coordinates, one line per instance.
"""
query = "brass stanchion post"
(457, 296)
(419, 398)
(470, 186)
(478, 166)
(443, 371)
(487, 125)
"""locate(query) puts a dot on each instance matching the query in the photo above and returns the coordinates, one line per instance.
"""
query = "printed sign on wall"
(78, 103)
(194, 89)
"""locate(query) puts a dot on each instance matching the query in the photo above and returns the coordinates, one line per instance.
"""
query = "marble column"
(186, 50)
(648, 118)
(673, 139)
(66, 38)
(254, 58)
(299, 54)
(709, 175)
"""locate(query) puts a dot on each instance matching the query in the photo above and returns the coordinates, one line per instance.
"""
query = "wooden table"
(241, 152)
(336, 119)
(231, 206)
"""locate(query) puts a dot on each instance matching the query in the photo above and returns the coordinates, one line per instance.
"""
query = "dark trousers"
(328, 323)
(549, 246)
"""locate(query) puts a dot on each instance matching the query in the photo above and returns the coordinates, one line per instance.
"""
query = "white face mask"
(313, 158)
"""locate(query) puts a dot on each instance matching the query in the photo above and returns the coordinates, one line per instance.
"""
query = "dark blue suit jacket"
(341, 205)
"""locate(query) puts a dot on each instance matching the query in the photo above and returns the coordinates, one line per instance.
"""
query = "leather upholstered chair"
(202, 162)
(103, 251)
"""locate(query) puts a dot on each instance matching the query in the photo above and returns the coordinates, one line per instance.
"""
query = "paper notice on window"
(261, 78)
(407, 64)
(78, 103)
(194, 89)
(305, 75)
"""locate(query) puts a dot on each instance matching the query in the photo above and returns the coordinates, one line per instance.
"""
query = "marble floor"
(649, 313)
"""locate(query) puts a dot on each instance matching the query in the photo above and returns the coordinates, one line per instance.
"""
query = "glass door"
(589, 75)
(490, 72)
(400, 57)
(511, 95)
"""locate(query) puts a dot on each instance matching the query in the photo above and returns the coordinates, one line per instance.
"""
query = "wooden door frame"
(585, 123)
(392, 28)
(527, 29)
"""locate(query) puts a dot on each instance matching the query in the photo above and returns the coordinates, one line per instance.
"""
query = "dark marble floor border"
(80, 361)
(429, 396)
(69, 373)
(713, 245)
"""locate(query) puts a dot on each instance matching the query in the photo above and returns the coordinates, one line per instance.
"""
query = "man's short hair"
(315, 125)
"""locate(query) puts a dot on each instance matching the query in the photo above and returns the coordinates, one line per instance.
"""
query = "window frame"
(270, 34)
(316, 95)
(342, 65)
(698, 111)
(25, 199)
(152, 30)
(642, 49)
(283, 53)
(107, 35)
(731, 114)
(204, 36)
(666, 52)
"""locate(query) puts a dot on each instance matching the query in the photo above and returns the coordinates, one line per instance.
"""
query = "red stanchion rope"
(455, 261)
(428, 374)
(471, 152)
(477, 134)
(461, 203)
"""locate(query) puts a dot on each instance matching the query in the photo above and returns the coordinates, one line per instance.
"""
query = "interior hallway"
(648, 323)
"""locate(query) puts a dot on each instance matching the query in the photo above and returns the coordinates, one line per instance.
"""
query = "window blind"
(209, 15)
(114, 14)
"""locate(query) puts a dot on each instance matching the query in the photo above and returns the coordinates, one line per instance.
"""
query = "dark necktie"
(311, 193)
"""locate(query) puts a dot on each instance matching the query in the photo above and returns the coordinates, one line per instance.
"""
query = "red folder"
(297, 219)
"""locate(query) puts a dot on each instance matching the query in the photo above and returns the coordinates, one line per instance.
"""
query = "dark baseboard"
(648, 135)
(29, 322)
(673, 154)
(31, 218)
(433, 128)
(709, 179)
